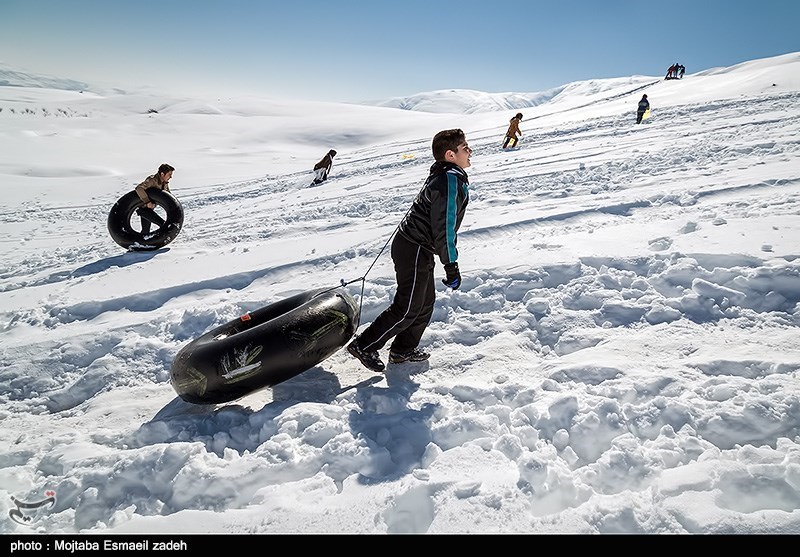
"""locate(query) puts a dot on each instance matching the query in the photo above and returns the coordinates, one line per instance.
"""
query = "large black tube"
(265, 347)
(119, 221)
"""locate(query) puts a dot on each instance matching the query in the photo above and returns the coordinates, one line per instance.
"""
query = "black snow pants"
(410, 312)
(148, 217)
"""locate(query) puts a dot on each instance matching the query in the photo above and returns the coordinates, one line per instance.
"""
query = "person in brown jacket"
(159, 180)
(513, 134)
(323, 167)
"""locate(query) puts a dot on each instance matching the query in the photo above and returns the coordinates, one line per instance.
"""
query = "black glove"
(453, 279)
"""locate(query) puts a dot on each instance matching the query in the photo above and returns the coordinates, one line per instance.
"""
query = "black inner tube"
(162, 230)
(265, 347)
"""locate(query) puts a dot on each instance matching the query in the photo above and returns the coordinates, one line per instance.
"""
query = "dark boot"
(369, 358)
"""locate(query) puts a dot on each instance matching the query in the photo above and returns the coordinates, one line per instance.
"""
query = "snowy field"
(623, 355)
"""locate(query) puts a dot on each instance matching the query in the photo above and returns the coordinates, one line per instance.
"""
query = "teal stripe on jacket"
(452, 206)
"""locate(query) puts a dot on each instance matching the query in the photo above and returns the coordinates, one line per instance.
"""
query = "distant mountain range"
(12, 78)
(462, 101)
(468, 101)
(775, 70)
(15, 78)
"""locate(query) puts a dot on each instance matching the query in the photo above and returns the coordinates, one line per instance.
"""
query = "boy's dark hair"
(447, 140)
(164, 168)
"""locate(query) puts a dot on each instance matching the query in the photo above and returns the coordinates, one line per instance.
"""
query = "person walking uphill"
(644, 105)
(323, 167)
(513, 133)
(429, 229)
(159, 180)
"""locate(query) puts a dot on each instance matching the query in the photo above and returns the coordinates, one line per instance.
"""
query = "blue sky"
(367, 50)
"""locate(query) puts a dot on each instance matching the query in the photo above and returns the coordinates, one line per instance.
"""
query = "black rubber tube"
(265, 347)
(119, 221)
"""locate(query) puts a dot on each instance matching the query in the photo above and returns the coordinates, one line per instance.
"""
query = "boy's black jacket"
(436, 214)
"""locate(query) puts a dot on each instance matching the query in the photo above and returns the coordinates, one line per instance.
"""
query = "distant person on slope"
(513, 133)
(428, 230)
(159, 180)
(644, 105)
(681, 71)
(323, 167)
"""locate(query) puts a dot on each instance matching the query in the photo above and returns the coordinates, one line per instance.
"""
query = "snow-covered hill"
(13, 78)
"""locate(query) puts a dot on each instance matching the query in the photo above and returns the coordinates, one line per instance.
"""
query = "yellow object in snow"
(646, 115)
(408, 156)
